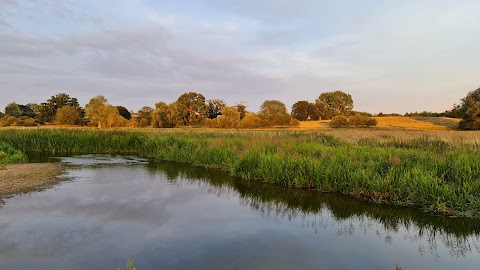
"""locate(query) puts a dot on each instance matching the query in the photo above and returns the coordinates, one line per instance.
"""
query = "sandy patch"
(20, 178)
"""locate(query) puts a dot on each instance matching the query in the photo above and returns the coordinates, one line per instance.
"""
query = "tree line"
(192, 109)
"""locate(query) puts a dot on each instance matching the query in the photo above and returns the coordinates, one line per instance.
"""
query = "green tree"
(334, 103)
(67, 115)
(160, 116)
(273, 113)
(230, 118)
(191, 108)
(145, 116)
(469, 111)
(215, 107)
(99, 111)
(304, 110)
(124, 112)
(47, 110)
(13, 109)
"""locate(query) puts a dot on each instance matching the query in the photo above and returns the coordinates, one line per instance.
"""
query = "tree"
(304, 110)
(334, 103)
(160, 116)
(47, 110)
(273, 113)
(67, 115)
(230, 118)
(469, 111)
(339, 121)
(191, 108)
(13, 109)
(251, 120)
(145, 116)
(124, 112)
(99, 111)
(215, 107)
(242, 110)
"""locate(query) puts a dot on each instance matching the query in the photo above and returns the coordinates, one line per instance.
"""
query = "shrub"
(339, 121)
(251, 120)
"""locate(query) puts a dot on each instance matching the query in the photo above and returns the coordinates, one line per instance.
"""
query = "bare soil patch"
(21, 178)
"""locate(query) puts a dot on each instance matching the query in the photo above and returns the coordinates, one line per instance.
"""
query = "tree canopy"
(330, 104)
(304, 110)
(273, 113)
(101, 112)
(191, 108)
(469, 111)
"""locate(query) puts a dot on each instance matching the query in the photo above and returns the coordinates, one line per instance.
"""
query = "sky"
(390, 55)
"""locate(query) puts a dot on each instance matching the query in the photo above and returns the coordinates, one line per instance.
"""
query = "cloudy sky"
(390, 55)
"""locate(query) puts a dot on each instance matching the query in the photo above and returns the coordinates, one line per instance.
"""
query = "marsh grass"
(9, 155)
(437, 174)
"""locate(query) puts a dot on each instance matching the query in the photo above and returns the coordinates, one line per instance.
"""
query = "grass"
(438, 173)
(9, 155)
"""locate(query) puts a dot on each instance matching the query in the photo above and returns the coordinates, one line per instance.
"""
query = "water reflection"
(171, 216)
(346, 215)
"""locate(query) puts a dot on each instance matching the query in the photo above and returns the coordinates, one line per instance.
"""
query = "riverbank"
(438, 172)
(27, 177)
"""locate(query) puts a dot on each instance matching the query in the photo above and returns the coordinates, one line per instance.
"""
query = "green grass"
(9, 155)
(437, 176)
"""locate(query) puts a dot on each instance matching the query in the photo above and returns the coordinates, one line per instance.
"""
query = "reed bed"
(438, 175)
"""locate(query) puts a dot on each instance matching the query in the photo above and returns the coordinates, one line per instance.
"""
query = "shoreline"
(27, 177)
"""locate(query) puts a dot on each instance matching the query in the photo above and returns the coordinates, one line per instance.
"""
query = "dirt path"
(20, 178)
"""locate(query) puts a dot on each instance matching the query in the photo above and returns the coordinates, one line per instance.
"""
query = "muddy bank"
(20, 178)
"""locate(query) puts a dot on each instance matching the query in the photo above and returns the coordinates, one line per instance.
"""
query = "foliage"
(160, 116)
(335, 103)
(469, 111)
(130, 265)
(13, 109)
(361, 120)
(273, 113)
(48, 110)
(124, 112)
(251, 120)
(145, 116)
(339, 121)
(190, 108)
(9, 155)
(439, 176)
(230, 118)
(67, 115)
(242, 110)
(101, 113)
(304, 110)
(324, 112)
(215, 107)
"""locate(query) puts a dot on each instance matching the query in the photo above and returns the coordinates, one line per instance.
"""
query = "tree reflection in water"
(345, 215)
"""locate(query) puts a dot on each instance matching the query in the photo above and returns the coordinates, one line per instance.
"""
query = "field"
(396, 122)
(436, 171)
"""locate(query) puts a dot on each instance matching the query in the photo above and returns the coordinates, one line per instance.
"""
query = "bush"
(251, 120)
(362, 120)
(211, 123)
(339, 121)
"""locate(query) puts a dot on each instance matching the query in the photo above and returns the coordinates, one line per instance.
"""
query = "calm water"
(169, 216)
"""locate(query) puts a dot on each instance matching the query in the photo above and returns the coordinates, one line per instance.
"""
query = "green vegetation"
(439, 176)
(8, 155)
(129, 266)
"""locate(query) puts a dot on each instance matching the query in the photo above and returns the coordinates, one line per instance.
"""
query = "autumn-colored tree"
(47, 110)
(230, 118)
(99, 111)
(469, 111)
(334, 103)
(191, 108)
(242, 110)
(304, 110)
(67, 115)
(251, 120)
(215, 107)
(273, 113)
